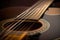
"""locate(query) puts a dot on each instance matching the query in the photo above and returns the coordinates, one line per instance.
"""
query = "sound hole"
(25, 25)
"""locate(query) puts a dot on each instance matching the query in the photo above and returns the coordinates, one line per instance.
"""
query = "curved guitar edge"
(45, 26)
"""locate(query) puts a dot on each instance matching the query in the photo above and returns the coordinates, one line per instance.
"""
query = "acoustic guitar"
(29, 22)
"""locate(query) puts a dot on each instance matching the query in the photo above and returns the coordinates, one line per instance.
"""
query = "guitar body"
(39, 27)
(29, 24)
(52, 32)
(54, 19)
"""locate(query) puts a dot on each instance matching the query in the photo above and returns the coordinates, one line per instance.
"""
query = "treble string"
(11, 27)
(28, 10)
(14, 33)
(43, 8)
(23, 27)
(29, 15)
(26, 30)
(22, 14)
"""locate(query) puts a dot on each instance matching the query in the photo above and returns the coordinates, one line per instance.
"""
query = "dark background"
(8, 3)
(21, 5)
(12, 12)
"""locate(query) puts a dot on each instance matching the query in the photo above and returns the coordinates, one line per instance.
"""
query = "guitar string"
(23, 27)
(30, 15)
(37, 12)
(43, 8)
(34, 12)
(45, 5)
(29, 9)
(23, 13)
(29, 12)
(17, 29)
(29, 28)
(25, 30)
(15, 33)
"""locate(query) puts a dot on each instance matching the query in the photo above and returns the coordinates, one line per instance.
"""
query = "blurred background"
(12, 8)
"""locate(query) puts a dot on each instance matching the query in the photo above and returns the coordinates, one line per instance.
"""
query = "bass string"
(5, 29)
(28, 10)
(12, 36)
(29, 15)
(22, 14)
(19, 24)
(44, 7)
(35, 10)
(24, 28)
(39, 11)
(21, 29)
(9, 32)
(24, 31)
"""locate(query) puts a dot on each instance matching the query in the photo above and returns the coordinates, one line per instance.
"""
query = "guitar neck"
(41, 9)
(36, 11)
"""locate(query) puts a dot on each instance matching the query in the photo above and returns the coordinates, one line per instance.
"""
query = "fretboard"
(36, 11)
